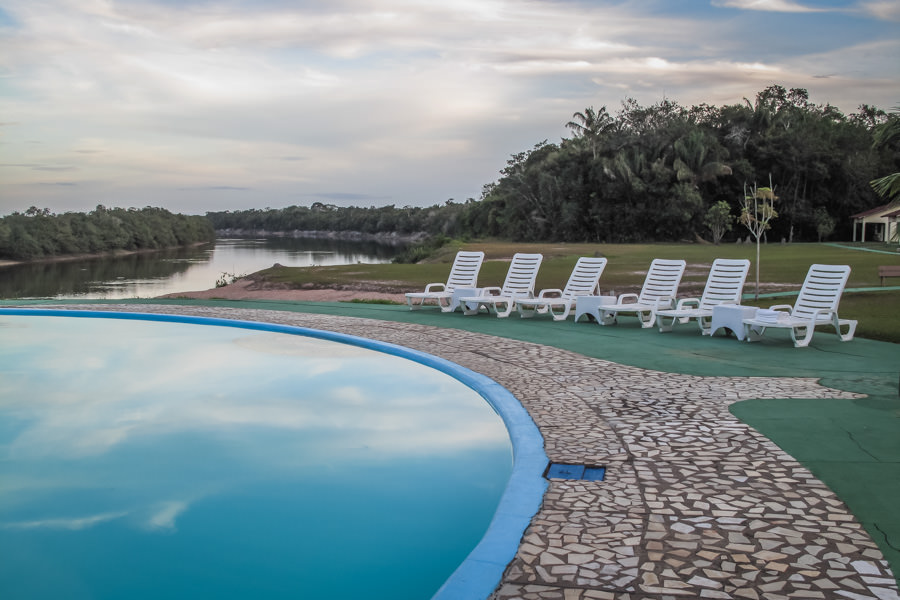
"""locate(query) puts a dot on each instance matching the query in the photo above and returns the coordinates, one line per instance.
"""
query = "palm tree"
(591, 126)
(695, 158)
(888, 134)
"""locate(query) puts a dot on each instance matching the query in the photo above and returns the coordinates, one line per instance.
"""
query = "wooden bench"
(888, 271)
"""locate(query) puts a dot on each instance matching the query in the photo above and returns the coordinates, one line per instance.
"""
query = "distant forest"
(654, 173)
(38, 233)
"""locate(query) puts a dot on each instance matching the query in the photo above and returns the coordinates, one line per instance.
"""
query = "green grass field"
(782, 269)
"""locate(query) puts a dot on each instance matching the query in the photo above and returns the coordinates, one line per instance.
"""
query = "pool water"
(148, 459)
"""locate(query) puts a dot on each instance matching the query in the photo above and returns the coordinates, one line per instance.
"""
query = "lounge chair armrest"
(688, 302)
(664, 302)
(786, 307)
(622, 297)
(822, 314)
(551, 293)
(435, 287)
(490, 291)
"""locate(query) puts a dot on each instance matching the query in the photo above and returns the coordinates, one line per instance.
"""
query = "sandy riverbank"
(250, 290)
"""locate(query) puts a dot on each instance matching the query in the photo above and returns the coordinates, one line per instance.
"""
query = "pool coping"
(481, 571)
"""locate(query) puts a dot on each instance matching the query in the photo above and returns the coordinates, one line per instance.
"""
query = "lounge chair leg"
(752, 334)
(467, 310)
(802, 336)
(507, 309)
(562, 316)
(704, 324)
(661, 323)
(851, 328)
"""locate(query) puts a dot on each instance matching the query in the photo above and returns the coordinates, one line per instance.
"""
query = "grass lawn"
(782, 269)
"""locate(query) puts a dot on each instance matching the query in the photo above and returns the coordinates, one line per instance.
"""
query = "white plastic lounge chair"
(582, 282)
(463, 275)
(658, 293)
(724, 286)
(519, 283)
(817, 304)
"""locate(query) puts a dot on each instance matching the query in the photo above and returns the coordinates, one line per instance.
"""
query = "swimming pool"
(206, 478)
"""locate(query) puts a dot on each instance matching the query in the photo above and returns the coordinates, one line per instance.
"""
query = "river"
(147, 275)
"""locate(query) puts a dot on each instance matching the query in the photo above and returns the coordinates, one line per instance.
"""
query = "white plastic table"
(590, 305)
(461, 293)
(731, 316)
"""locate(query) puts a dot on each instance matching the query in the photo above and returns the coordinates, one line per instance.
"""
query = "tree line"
(38, 233)
(328, 217)
(663, 172)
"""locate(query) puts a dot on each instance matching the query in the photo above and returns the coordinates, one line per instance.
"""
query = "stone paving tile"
(770, 489)
(596, 549)
(803, 557)
(697, 440)
(509, 591)
(695, 504)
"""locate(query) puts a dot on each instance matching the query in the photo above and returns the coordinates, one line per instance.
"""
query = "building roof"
(879, 211)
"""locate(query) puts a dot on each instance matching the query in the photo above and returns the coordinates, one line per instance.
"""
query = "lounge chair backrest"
(662, 280)
(821, 290)
(465, 269)
(521, 275)
(585, 277)
(725, 284)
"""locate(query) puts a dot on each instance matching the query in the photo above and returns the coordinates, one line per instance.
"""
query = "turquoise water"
(145, 459)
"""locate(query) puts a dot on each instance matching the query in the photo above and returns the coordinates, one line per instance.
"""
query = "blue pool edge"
(482, 570)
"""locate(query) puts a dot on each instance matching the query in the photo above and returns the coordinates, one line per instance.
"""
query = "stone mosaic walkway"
(695, 504)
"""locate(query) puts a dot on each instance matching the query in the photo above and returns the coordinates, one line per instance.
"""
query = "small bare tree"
(757, 210)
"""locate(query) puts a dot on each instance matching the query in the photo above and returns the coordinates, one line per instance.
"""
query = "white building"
(881, 222)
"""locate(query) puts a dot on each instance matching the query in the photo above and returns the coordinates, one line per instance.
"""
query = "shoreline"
(4, 262)
(245, 289)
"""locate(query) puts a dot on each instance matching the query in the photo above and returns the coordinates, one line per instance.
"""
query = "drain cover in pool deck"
(585, 473)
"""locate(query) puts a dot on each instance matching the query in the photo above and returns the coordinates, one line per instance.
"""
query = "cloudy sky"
(220, 105)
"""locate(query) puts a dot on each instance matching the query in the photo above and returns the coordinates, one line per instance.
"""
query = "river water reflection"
(153, 274)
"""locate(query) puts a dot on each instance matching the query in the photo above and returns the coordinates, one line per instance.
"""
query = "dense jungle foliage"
(655, 173)
(38, 233)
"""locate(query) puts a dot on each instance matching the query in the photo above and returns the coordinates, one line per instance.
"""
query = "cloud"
(886, 9)
(165, 514)
(161, 517)
(71, 524)
(348, 196)
(290, 379)
(52, 168)
(769, 6)
(218, 188)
